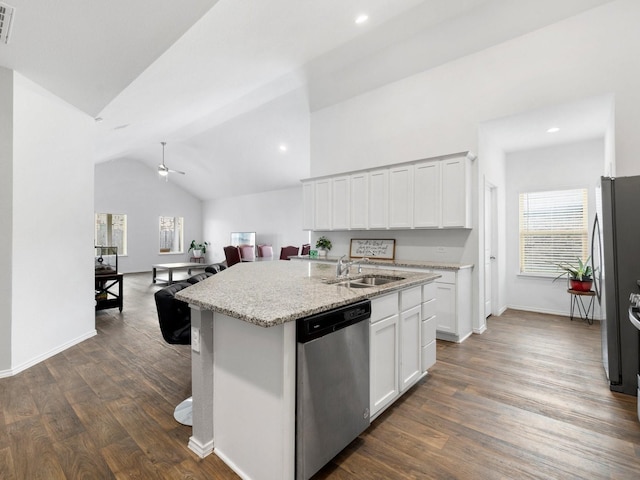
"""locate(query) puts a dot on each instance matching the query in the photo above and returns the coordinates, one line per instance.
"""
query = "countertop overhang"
(272, 293)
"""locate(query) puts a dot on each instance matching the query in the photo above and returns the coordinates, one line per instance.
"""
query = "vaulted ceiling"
(226, 83)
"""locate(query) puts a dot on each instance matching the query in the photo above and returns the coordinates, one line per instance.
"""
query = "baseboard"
(49, 354)
(524, 308)
(202, 450)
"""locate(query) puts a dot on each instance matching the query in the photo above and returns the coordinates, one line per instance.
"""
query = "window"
(111, 231)
(553, 229)
(171, 235)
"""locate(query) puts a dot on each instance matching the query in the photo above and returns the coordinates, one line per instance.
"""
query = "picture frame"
(384, 249)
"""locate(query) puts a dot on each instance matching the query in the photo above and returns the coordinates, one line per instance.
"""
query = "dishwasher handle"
(321, 324)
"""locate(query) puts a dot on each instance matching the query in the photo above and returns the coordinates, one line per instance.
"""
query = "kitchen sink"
(369, 281)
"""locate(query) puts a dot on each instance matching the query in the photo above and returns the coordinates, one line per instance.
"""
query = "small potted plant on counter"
(199, 249)
(323, 244)
(580, 274)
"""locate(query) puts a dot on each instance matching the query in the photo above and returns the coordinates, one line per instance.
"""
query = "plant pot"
(322, 253)
(197, 253)
(580, 285)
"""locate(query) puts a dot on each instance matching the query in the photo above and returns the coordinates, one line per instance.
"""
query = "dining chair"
(232, 255)
(306, 248)
(289, 251)
(265, 251)
(247, 253)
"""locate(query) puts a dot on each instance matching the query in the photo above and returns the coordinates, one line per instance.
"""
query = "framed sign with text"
(372, 248)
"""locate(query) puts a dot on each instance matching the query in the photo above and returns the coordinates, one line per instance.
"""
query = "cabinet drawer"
(410, 298)
(428, 291)
(429, 309)
(383, 307)
(428, 333)
(428, 356)
(447, 276)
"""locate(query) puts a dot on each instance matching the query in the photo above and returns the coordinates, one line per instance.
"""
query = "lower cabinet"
(399, 338)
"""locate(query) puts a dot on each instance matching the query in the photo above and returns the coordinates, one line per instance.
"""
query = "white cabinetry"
(453, 304)
(432, 193)
(401, 197)
(397, 344)
(428, 326)
(340, 203)
(383, 354)
(308, 205)
(322, 202)
(379, 199)
(427, 202)
(456, 192)
(359, 200)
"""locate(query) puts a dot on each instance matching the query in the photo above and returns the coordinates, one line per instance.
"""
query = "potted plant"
(199, 249)
(580, 274)
(323, 245)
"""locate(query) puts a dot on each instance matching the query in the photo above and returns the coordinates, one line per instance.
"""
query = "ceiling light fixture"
(163, 170)
(553, 130)
(283, 147)
(360, 19)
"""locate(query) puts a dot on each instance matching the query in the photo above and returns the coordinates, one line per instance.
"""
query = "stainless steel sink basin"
(369, 281)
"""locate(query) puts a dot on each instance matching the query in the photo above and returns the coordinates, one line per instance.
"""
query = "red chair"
(286, 252)
(232, 255)
(306, 248)
(247, 253)
(265, 251)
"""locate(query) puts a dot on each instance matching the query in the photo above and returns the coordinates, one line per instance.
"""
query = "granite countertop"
(272, 293)
(397, 263)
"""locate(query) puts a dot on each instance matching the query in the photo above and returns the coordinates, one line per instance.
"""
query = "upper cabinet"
(430, 193)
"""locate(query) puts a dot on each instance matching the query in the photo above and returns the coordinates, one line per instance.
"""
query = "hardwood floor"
(526, 400)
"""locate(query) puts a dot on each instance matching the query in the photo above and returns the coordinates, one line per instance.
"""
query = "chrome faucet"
(342, 268)
(362, 260)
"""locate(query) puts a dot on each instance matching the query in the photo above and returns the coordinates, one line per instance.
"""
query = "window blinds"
(553, 229)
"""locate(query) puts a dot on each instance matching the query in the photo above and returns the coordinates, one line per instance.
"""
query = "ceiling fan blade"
(175, 171)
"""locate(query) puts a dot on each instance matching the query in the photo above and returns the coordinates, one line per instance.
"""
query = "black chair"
(289, 251)
(199, 277)
(175, 324)
(232, 254)
(306, 248)
(215, 268)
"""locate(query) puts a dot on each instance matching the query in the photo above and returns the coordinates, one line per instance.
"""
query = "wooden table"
(170, 267)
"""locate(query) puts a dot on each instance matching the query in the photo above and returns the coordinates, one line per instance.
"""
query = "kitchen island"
(244, 356)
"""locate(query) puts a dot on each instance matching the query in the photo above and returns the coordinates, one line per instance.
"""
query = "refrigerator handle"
(596, 234)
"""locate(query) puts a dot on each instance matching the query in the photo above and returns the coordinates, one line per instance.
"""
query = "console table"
(109, 291)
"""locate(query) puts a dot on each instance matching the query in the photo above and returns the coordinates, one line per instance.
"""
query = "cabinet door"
(427, 205)
(340, 203)
(308, 206)
(455, 193)
(401, 197)
(410, 348)
(446, 308)
(384, 362)
(359, 190)
(378, 199)
(323, 204)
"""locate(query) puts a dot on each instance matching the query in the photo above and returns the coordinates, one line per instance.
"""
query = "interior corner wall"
(6, 216)
(575, 165)
(52, 254)
(130, 187)
(275, 216)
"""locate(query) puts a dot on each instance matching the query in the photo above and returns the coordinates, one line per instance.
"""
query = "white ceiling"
(225, 82)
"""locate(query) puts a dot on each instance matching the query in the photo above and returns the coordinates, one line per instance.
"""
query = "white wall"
(577, 165)
(439, 111)
(275, 216)
(130, 187)
(6, 214)
(52, 254)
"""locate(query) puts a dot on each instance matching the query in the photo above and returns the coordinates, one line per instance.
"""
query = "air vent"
(6, 17)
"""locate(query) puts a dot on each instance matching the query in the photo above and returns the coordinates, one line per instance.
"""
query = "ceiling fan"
(163, 170)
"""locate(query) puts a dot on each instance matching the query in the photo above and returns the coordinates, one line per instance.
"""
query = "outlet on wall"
(195, 339)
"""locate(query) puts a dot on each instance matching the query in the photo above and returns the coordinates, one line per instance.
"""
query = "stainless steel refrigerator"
(615, 246)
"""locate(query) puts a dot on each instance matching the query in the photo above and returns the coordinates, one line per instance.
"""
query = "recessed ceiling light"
(553, 130)
(283, 147)
(98, 119)
(360, 19)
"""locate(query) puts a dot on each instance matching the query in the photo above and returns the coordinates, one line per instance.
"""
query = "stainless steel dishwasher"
(332, 384)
